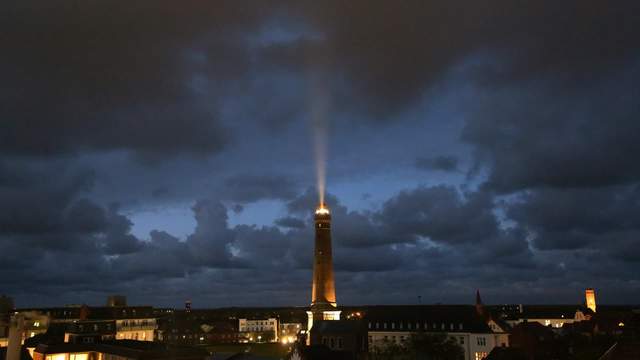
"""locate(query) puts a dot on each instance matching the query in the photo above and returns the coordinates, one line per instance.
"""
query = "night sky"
(166, 150)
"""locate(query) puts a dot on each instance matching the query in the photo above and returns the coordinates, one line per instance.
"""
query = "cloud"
(247, 188)
(602, 219)
(290, 222)
(442, 163)
(550, 135)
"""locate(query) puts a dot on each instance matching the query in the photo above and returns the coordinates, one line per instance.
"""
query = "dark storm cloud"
(109, 77)
(392, 52)
(290, 222)
(545, 135)
(442, 163)
(603, 219)
(247, 188)
(437, 212)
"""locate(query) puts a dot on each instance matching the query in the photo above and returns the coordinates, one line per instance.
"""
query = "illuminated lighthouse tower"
(323, 294)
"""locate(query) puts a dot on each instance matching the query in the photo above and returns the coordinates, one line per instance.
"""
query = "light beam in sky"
(319, 127)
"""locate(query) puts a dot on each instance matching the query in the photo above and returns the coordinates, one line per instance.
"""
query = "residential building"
(119, 350)
(345, 336)
(396, 324)
(259, 330)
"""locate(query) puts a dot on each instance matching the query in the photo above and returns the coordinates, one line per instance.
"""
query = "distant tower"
(590, 297)
(323, 293)
(187, 306)
(479, 305)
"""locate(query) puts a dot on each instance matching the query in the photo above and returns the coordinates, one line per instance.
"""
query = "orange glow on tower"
(590, 297)
(323, 294)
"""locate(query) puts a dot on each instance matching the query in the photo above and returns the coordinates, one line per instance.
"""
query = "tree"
(434, 347)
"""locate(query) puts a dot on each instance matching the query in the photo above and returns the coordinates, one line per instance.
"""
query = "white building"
(268, 326)
(396, 324)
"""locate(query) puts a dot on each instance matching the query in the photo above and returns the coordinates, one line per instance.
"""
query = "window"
(482, 341)
(409, 326)
(324, 340)
(384, 325)
(370, 339)
(460, 326)
(393, 325)
(480, 355)
(369, 326)
(451, 326)
(377, 325)
(340, 343)
(442, 326)
(57, 357)
(36, 324)
(333, 343)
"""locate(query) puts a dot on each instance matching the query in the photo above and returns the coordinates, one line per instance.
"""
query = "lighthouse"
(323, 287)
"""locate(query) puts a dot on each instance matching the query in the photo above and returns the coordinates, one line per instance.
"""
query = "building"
(554, 316)
(346, 336)
(396, 324)
(119, 350)
(131, 322)
(323, 293)
(259, 330)
(90, 331)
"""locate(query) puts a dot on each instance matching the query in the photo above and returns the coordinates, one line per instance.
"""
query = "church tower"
(590, 299)
(323, 292)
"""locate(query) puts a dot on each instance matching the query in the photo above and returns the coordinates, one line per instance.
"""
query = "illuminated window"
(547, 322)
(480, 355)
(36, 324)
(57, 357)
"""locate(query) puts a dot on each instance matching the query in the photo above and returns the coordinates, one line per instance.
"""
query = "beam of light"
(320, 125)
